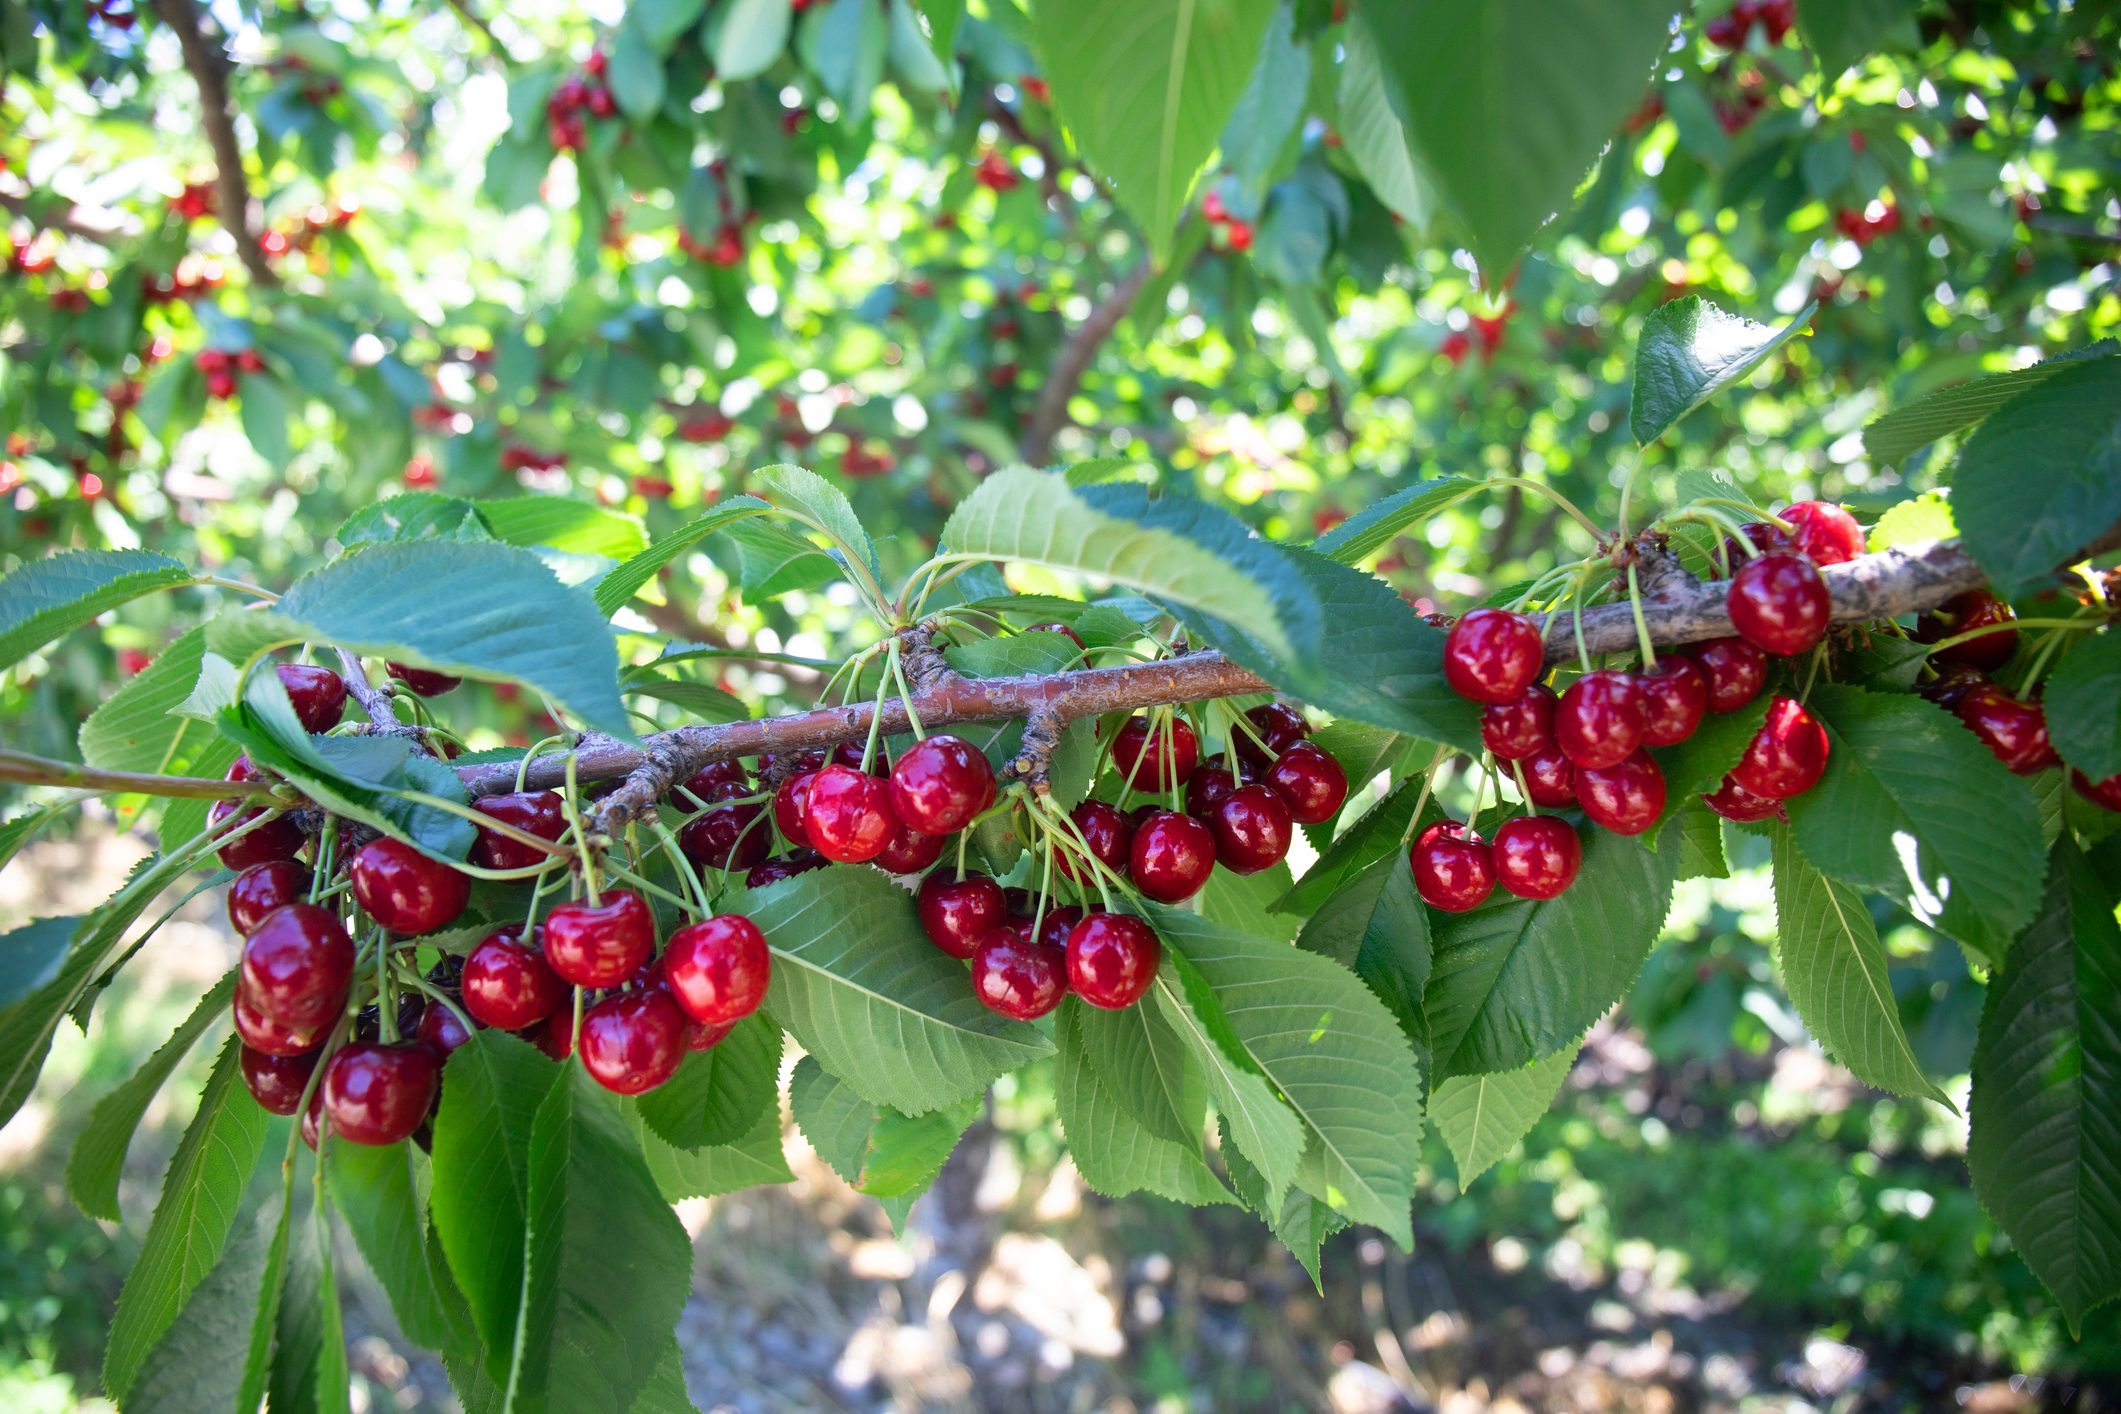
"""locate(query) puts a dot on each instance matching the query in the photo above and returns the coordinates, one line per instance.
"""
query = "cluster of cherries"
(1728, 30)
(224, 371)
(575, 100)
(1863, 227)
(1236, 233)
(195, 202)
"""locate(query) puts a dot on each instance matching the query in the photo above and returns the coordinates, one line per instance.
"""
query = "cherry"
(1493, 655)
(1171, 856)
(264, 1033)
(1951, 685)
(1824, 532)
(535, 812)
(1675, 695)
(1107, 831)
(1018, 979)
(276, 1082)
(297, 965)
(796, 861)
(633, 1043)
(1734, 802)
(1453, 868)
(404, 890)
(1252, 829)
(600, 945)
(1626, 797)
(508, 985)
(278, 838)
(378, 1094)
(1522, 726)
(718, 968)
(1537, 856)
(318, 695)
(423, 682)
(726, 837)
(957, 913)
(791, 806)
(1601, 718)
(1778, 603)
(241, 769)
(1310, 782)
(313, 1119)
(440, 1030)
(939, 784)
(2105, 794)
(701, 1037)
(1157, 761)
(1212, 783)
(1112, 959)
(1786, 756)
(555, 1038)
(1549, 779)
(1734, 669)
(1280, 727)
(262, 888)
(849, 754)
(908, 851)
(2016, 732)
(1762, 535)
(1976, 608)
(849, 817)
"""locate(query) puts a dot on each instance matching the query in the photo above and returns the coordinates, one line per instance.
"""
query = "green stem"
(1642, 626)
(1541, 488)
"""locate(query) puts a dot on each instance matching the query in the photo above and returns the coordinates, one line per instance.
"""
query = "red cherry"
(1537, 856)
(909, 851)
(600, 945)
(1108, 833)
(1626, 797)
(939, 784)
(555, 1038)
(1761, 535)
(1212, 782)
(424, 682)
(1734, 802)
(1054, 924)
(633, 1043)
(297, 965)
(791, 807)
(1601, 718)
(1824, 532)
(1492, 655)
(957, 913)
(1675, 695)
(1280, 727)
(378, 1094)
(263, 1033)
(1112, 959)
(726, 837)
(1158, 761)
(279, 838)
(849, 819)
(276, 1082)
(262, 888)
(849, 754)
(1310, 782)
(1787, 756)
(2105, 794)
(699, 1037)
(1252, 829)
(536, 812)
(1171, 856)
(1778, 603)
(404, 890)
(1734, 669)
(796, 861)
(1453, 868)
(508, 985)
(1549, 779)
(318, 695)
(1976, 608)
(440, 1030)
(2015, 731)
(703, 785)
(1018, 979)
(718, 968)
(1522, 726)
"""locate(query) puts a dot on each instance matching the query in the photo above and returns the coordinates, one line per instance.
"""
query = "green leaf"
(1115, 1153)
(1299, 1221)
(718, 1168)
(718, 1094)
(1841, 32)
(1141, 1058)
(885, 1154)
(1695, 838)
(41, 599)
(25, 827)
(1912, 522)
(2042, 475)
(265, 409)
(31, 956)
(98, 1158)
(380, 1190)
(624, 581)
(1481, 1117)
(1835, 972)
(748, 36)
(572, 526)
(663, 21)
(139, 728)
(1146, 87)
(1375, 526)
(832, 1117)
(636, 74)
(1914, 806)
(1901, 433)
(1375, 139)
(2044, 1143)
(1376, 835)
(702, 700)
(2084, 705)
(309, 1374)
(793, 488)
(1699, 763)
(1688, 352)
(1264, 1128)
(1268, 111)
(1508, 102)
(413, 515)
(189, 1371)
(200, 1192)
(256, 1367)
(1376, 927)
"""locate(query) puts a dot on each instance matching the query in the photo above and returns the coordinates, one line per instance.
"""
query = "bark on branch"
(1050, 414)
(209, 68)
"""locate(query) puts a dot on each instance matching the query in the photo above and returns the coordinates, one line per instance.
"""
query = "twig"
(24, 769)
(478, 22)
(209, 70)
(1050, 414)
(375, 701)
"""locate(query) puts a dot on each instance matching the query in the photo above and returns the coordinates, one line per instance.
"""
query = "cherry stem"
(1428, 782)
(1517, 770)
(327, 847)
(1541, 488)
(669, 845)
(523, 766)
(214, 581)
(1642, 626)
(412, 978)
(583, 852)
(898, 675)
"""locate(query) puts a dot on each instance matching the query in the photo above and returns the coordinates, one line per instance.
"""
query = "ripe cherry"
(939, 784)
(1778, 603)
(849, 754)
(1453, 869)
(278, 838)
(633, 1043)
(535, 812)
(1626, 797)
(1492, 655)
(1522, 726)
(1211, 784)
(1675, 695)
(1018, 979)
(1537, 856)
(1280, 727)
(2105, 794)
(600, 945)
(1824, 532)
(318, 695)
(957, 913)
(1112, 959)
(265, 1034)
(1761, 535)
(404, 890)
(1951, 685)
(700, 1037)
(1108, 833)
(1252, 829)
(1601, 719)
(1734, 669)
(508, 985)
(800, 860)
(555, 1038)
(424, 682)
(1786, 756)
(908, 851)
(440, 1030)
(849, 817)
(1159, 760)
(1962, 613)
(1310, 782)
(379, 1094)
(297, 965)
(1171, 856)
(262, 888)
(1734, 802)
(791, 807)
(718, 968)
(2015, 731)
(276, 1082)
(1054, 924)
(1549, 779)
(727, 837)
(704, 785)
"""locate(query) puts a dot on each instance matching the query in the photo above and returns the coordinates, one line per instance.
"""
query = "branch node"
(1033, 763)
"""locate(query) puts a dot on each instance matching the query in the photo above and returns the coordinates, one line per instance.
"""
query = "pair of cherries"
(1107, 959)
(1776, 599)
(1533, 856)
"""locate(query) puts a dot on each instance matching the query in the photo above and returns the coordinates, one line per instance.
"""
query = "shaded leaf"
(2042, 475)
(41, 599)
(1688, 352)
(1481, 1117)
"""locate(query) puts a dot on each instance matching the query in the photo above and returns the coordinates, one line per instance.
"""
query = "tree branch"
(375, 701)
(209, 70)
(68, 221)
(478, 22)
(1051, 412)
(24, 769)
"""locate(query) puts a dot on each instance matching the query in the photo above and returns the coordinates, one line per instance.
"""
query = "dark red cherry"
(1280, 727)
(440, 1030)
(1601, 718)
(1171, 856)
(1951, 685)
(1310, 782)
(2015, 731)
(1212, 782)
(718, 968)
(1549, 779)
(313, 1119)
(278, 838)
(262, 888)
(1962, 613)
(633, 1043)
(1824, 532)
(404, 890)
(1787, 756)
(908, 851)
(727, 837)
(1157, 761)
(271, 1037)
(1734, 670)
(1537, 856)
(297, 965)
(1761, 535)
(1018, 979)
(1626, 797)
(1778, 603)
(241, 769)
(791, 807)
(1252, 830)
(849, 754)
(424, 682)
(1055, 924)
(535, 812)
(556, 1037)
(939, 784)
(318, 695)
(701, 1037)
(957, 913)
(1112, 959)
(1675, 696)
(1453, 869)
(378, 1094)
(705, 784)
(2105, 794)
(600, 945)
(800, 860)
(849, 817)
(1107, 831)
(1493, 655)
(276, 1082)
(1522, 726)
(1734, 802)
(508, 985)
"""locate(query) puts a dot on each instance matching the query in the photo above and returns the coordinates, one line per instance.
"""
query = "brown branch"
(209, 68)
(22, 768)
(375, 701)
(1051, 412)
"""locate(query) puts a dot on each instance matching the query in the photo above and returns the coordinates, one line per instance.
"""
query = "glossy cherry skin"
(2105, 794)
(1675, 697)
(1549, 779)
(1951, 685)
(1734, 802)
(379, 1094)
(2016, 732)
(297, 965)
(1626, 797)
(1492, 655)
(279, 838)
(849, 818)
(1279, 725)
(1148, 761)
(1962, 613)
(404, 890)
(508, 985)
(276, 1082)
(1778, 603)
(1252, 830)
(1171, 856)
(1734, 670)
(1018, 979)
(265, 1034)
(700, 1037)
(704, 784)
(318, 695)
(939, 784)
(424, 682)
(1537, 856)
(262, 888)
(1107, 831)
(535, 812)
(957, 913)
(849, 754)
(1310, 782)
(556, 1037)
(1112, 959)
(718, 968)
(1453, 870)
(1522, 726)
(1761, 535)
(791, 807)
(1787, 756)
(908, 851)
(727, 837)
(440, 1030)
(1824, 532)
(600, 945)
(1213, 782)
(633, 1043)
(796, 861)
(1601, 719)
(1054, 925)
